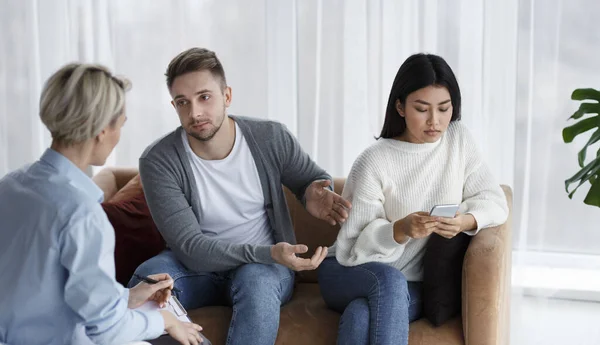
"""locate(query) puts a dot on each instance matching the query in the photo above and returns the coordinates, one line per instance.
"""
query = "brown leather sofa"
(306, 319)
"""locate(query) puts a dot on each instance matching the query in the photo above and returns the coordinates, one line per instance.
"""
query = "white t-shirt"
(231, 196)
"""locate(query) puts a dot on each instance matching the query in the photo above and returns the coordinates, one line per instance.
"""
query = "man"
(214, 190)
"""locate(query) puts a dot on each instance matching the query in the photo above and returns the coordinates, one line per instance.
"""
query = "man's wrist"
(307, 192)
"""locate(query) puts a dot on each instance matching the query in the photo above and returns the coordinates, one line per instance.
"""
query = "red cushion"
(136, 236)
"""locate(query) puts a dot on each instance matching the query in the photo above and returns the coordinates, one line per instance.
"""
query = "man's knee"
(261, 284)
(261, 275)
(165, 262)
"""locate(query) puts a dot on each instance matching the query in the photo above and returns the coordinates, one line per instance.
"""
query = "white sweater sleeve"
(482, 195)
(367, 235)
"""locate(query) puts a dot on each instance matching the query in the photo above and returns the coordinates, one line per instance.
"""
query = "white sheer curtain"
(324, 68)
(556, 239)
(559, 49)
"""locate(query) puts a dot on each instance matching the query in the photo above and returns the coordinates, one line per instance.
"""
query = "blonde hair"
(80, 100)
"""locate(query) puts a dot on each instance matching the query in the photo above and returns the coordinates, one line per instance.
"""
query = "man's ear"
(228, 96)
(400, 108)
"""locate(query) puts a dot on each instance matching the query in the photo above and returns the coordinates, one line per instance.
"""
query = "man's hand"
(450, 227)
(324, 204)
(285, 254)
(159, 292)
(186, 333)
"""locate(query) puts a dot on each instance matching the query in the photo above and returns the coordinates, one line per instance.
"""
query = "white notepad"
(173, 306)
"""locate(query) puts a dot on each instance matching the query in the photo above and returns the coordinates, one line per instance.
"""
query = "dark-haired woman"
(424, 157)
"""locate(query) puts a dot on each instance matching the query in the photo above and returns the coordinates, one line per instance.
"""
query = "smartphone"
(448, 210)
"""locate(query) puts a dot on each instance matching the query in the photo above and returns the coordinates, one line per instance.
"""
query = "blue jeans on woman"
(375, 300)
(254, 291)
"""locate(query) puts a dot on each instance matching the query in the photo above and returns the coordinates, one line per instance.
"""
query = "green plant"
(591, 171)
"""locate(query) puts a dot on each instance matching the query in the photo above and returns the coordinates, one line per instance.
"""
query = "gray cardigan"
(172, 194)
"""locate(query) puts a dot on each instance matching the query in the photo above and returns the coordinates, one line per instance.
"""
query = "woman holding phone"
(424, 157)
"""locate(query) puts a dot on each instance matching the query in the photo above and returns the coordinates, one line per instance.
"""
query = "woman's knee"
(386, 280)
(331, 277)
(357, 313)
(354, 323)
(385, 272)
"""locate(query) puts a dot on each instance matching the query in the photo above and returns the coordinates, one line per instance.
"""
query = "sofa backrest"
(310, 230)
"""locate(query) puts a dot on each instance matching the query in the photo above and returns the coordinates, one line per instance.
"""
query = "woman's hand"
(186, 333)
(415, 225)
(450, 227)
(159, 292)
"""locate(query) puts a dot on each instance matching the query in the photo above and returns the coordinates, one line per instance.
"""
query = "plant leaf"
(569, 133)
(582, 94)
(586, 108)
(593, 196)
(593, 139)
(583, 175)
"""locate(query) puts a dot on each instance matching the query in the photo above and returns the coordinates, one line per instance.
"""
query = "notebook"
(172, 305)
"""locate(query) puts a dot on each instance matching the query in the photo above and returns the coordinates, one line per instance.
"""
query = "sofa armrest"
(112, 179)
(486, 284)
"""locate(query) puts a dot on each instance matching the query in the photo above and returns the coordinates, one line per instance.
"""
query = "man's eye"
(205, 97)
(182, 103)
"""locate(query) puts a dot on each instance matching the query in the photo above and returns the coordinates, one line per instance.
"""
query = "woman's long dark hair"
(417, 72)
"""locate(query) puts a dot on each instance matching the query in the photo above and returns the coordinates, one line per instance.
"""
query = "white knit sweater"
(392, 179)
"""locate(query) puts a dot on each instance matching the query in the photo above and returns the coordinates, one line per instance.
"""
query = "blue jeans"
(375, 300)
(254, 291)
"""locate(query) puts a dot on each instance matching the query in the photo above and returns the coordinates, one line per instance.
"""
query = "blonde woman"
(56, 244)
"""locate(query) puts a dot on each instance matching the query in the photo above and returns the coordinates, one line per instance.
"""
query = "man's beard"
(208, 136)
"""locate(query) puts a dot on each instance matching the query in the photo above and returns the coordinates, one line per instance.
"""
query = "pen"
(152, 281)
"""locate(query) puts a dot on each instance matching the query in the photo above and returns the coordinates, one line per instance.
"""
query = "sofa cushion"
(421, 332)
(136, 237)
(442, 268)
(304, 320)
(130, 190)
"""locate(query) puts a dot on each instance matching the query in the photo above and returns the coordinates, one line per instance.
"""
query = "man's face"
(201, 103)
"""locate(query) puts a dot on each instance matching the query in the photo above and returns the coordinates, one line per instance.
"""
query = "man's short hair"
(194, 60)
